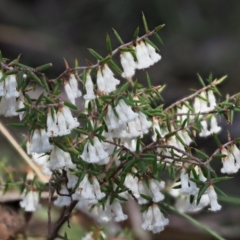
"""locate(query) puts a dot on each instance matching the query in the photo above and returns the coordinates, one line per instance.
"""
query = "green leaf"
(95, 54)
(45, 84)
(229, 199)
(216, 140)
(221, 79)
(70, 105)
(168, 123)
(22, 109)
(201, 80)
(158, 38)
(151, 43)
(196, 180)
(219, 191)
(220, 179)
(148, 198)
(118, 36)
(11, 72)
(115, 66)
(17, 124)
(149, 80)
(201, 154)
(105, 60)
(145, 23)
(25, 67)
(159, 27)
(109, 45)
(34, 77)
(43, 67)
(201, 191)
(135, 35)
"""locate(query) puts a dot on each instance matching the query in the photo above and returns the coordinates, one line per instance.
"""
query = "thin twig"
(189, 97)
(68, 70)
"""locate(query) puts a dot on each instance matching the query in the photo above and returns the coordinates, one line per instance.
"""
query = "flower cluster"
(190, 188)
(206, 102)
(109, 212)
(146, 56)
(153, 219)
(60, 123)
(125, 144)
(139, 187)
(88, 193)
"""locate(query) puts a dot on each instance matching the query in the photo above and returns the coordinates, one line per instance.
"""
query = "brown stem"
(64, 218)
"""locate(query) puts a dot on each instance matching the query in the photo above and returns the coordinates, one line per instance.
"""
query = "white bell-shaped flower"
(159, 221)
(228, 161)
(8, 106)
(90, 95)
(204, 131)
(85, 191)
(236, 153)
(30, 201)
(97, 189)
(132, 184)
(123, 109)
(45, 144)
(52, 128)
(128, 64)
(119, 216)
(68, 160)
(40, 142)
(94, 153)
(69, 92)
(211, 100)
(62, 201)
(56, 159)
(214, 125)
(155, 191)
(215, 206)
(142, 188)
(104, 212)
(102, 154)
(101, 84)
(35, 142)
(111, 119)
(187, 186)
(152, 53)
(72, 180)
(204, 102)
(110, 81)
(74, 85)
(145, 124)
(11, 87)
(70, 120)
(62, 125)
(148, 219)
(130, 144)
(144, 61)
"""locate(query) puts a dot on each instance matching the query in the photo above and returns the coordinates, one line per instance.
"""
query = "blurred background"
(200, 36)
